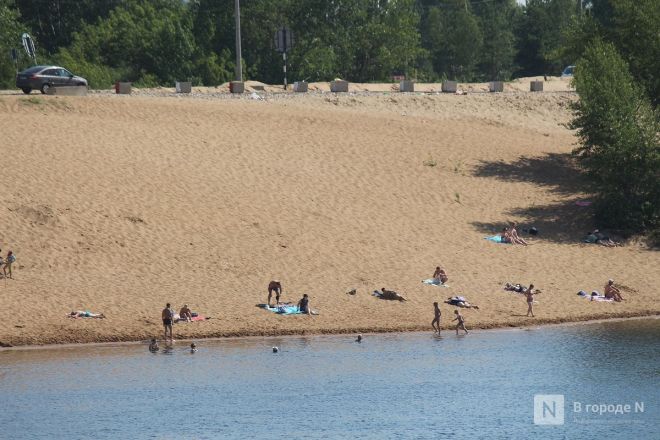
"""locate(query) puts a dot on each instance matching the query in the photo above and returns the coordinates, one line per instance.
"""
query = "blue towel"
(282, 310)
(496, 239)
(434, 282)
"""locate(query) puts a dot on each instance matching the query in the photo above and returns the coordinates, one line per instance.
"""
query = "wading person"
(436, 321)
(168, 316)
(461, 322)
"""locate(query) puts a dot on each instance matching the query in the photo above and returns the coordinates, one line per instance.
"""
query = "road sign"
(283, 40)
(28, 44)
(283, 44)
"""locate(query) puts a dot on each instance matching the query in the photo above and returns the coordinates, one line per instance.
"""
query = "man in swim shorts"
(274, 287)
(168, 316)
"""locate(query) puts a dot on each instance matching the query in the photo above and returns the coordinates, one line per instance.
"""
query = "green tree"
(10, 37)
(496, 20)
(454, 39)
(540, 34)
(148, 42)
(618, 132)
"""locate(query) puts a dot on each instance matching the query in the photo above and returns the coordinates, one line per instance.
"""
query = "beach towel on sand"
(496, 239)
(285, 309)
(434, 282)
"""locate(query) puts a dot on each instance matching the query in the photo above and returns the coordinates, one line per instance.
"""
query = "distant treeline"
(156, 42)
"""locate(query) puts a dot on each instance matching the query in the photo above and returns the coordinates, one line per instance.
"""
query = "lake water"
(389, 386)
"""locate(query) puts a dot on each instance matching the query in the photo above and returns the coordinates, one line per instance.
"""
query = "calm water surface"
(389, 386)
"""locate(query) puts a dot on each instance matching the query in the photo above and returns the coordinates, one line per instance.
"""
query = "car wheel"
(26, 90)
(44, 88)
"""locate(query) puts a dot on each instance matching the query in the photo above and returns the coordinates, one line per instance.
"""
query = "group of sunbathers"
(275, 287)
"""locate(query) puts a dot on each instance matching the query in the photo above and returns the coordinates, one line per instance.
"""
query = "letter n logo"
(548, 409)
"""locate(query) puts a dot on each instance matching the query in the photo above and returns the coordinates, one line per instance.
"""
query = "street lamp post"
(239, 70)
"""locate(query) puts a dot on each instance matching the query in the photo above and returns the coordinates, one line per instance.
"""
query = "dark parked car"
(44, 77)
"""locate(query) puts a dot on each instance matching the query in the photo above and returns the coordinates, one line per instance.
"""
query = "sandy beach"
(119, 204)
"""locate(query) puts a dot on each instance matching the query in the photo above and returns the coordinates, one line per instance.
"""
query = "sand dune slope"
(119, 204)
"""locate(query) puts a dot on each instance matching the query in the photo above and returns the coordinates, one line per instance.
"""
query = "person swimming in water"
(193, 348)
(153, 346)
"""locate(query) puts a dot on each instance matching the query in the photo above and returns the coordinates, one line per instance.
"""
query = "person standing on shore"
(436, 321)
(274, 287)
(529, 294)
(461, 322)
(168, 316)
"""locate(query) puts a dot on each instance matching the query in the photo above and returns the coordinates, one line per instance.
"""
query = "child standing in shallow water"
(461, 322)
(436, 321)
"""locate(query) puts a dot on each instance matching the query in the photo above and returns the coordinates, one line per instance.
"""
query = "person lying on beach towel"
(598, 238)
(518, 288)
(502, 237)
(85, 314)
(389, 295)
(595, 296)
(460, 301)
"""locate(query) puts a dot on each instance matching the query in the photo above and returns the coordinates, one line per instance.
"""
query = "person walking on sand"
(436, 321)
(529, 294)
(440, 275)
(7, 267)
(461, 322)
(274, 287)
(612, 292)
(168, 316)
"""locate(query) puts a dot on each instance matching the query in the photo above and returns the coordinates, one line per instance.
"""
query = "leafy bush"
(620, 148)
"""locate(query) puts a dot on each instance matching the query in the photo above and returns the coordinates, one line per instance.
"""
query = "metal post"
(284, 56)
(239, 67)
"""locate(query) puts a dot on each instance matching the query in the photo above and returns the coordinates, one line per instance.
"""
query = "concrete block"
(183, 87)
(300, 87)
(338, 86)
(68, 91)
(449, 86)
(496, 86)
(123, 88)
(237, 87)
(536, 86)
(407, 86)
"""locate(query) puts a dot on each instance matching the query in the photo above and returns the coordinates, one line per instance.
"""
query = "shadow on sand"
(562, 222)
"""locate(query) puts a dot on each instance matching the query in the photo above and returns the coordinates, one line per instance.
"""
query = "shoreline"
(548, 323)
